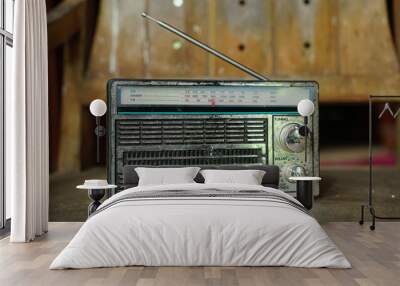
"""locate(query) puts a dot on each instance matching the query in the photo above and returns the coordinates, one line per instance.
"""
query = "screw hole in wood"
(241, 47)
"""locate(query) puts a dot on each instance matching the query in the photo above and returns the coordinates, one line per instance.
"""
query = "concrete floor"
(66, 202)
(342, 192)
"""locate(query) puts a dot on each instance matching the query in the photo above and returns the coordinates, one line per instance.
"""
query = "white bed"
(201, 230)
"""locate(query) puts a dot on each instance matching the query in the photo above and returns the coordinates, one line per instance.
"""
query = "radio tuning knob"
(294, 171)
(291, 138)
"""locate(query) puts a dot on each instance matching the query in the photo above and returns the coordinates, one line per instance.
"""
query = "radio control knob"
(291, 138)
(294, 171)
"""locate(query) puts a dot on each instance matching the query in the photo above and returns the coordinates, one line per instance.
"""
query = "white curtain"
(27, 166)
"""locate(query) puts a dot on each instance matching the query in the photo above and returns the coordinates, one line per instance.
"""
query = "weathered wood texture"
(71, 117)
(346, 46)
(373, 255)
(64, 21)
(366, 45)
(396, 23)
(62, 26)
(306, 37)
(55, 90)
(244, 32)
(71, 26)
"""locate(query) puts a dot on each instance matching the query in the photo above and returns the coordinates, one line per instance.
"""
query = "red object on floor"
(384, 159)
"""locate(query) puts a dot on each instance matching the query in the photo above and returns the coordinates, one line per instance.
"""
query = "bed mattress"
(201, 225)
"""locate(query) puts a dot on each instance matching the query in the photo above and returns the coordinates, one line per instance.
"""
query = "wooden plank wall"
(347, 46)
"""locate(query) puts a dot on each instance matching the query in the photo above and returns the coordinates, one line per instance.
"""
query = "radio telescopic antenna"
(207, 48)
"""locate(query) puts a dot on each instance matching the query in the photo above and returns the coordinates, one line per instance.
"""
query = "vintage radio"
(198, 122)
(211, 123)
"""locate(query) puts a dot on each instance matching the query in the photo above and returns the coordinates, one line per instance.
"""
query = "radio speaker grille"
(193, 157)
(194, 131)
(191, 142)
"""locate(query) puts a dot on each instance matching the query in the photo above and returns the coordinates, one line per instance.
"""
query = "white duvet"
(200, 231)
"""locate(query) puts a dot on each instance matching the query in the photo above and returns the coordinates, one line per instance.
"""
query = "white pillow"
(166, 176)
(247, 177)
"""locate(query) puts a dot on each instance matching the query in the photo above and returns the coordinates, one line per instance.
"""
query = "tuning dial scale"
(289, 150)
